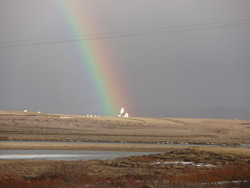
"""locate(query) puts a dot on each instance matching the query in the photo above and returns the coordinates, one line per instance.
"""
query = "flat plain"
(28, 126)
(177, 166)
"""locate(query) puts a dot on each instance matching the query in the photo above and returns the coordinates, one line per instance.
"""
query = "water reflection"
(66, 154)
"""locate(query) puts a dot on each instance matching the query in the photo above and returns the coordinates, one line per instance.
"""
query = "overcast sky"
(180, 73)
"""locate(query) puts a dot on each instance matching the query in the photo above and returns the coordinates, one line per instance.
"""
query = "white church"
(123, 113)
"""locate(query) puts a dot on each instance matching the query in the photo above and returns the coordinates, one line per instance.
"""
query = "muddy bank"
(88, 146)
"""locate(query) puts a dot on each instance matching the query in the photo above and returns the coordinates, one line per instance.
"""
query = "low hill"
(18, 125)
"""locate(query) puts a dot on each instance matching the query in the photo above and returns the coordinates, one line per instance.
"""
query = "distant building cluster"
(122, 113)
(92, 115)
(27, 111)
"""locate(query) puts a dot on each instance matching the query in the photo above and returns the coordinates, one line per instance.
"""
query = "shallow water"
(124, 143)
(66, 154)
(82, 154)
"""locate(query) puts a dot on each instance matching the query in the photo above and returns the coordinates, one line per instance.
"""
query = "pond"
(67, 154)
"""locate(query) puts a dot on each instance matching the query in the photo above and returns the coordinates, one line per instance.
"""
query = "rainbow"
(103, 73)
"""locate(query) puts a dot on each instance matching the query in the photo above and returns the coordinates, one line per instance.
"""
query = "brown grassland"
(205, 167)
(56, 127)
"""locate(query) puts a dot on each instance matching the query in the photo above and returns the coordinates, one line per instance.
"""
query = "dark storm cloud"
(198, 73)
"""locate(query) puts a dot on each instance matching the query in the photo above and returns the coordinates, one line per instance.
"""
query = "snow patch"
(227, 182)
(185, 163)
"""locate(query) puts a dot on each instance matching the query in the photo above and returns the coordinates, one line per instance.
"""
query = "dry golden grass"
(230, 163)
(51, 127)
(89, 146)
(226, 150)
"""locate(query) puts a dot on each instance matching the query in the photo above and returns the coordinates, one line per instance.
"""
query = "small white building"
(126, 115)
(123, 113)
